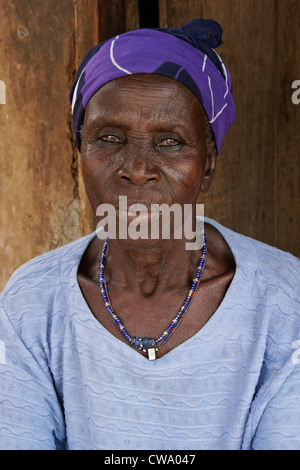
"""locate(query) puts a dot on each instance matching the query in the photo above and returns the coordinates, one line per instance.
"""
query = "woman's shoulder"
(271, 266)
(43, 273)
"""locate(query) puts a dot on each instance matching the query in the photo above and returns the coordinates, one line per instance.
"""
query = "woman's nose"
(139, 171)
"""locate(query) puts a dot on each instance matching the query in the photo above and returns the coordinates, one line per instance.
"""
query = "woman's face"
(144, 138)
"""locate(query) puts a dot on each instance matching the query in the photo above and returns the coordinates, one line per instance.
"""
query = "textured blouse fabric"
(67, 383)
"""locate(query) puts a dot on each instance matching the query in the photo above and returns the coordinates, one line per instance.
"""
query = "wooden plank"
(116, 17)
(287, 127)
(38, 207)
(86, 35)
(86, 27)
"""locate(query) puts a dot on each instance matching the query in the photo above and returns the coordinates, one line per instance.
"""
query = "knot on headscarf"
(186, 54)
(204, 35)
(197, 32)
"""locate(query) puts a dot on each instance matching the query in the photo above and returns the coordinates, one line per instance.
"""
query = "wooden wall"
(43, 204)
(39, 204)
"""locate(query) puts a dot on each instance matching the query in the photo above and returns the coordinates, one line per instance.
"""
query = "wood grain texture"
(38, 207)
(287, 127)
(86, 35)
(116, 17)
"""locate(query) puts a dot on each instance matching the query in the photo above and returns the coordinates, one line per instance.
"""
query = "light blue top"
(67, 383)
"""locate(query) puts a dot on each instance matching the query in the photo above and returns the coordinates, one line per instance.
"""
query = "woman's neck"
(154, 271)
(150, 271)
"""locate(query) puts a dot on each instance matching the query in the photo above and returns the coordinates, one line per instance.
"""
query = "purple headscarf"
(186, 55)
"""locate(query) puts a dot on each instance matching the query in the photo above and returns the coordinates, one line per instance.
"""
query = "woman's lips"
(132, 209)
(132, 213)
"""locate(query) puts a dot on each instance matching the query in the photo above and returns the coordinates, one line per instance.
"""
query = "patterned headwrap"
(186, 55)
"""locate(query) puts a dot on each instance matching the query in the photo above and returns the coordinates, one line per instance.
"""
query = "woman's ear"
(210, 167)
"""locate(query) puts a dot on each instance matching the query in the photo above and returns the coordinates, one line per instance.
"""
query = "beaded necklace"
(150, 345)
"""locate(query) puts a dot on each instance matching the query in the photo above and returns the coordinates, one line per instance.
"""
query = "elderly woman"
(140, 343)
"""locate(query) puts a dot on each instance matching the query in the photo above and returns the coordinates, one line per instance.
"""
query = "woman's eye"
(111, 139)
(169, 143)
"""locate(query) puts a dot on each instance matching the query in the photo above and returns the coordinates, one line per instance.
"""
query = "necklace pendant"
(150, 346)
(146, 345)
(151, 354)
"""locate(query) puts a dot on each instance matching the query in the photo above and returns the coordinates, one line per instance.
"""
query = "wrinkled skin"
(144, 137)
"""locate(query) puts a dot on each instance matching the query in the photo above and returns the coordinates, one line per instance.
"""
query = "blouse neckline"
(222, 321)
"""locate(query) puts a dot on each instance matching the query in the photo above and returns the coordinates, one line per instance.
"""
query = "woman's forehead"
(161, 96)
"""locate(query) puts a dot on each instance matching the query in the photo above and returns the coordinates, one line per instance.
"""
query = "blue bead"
(137, 342)
(148, 343)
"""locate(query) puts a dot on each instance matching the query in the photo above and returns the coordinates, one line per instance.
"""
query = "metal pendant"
(146, 345)
(151, 354)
